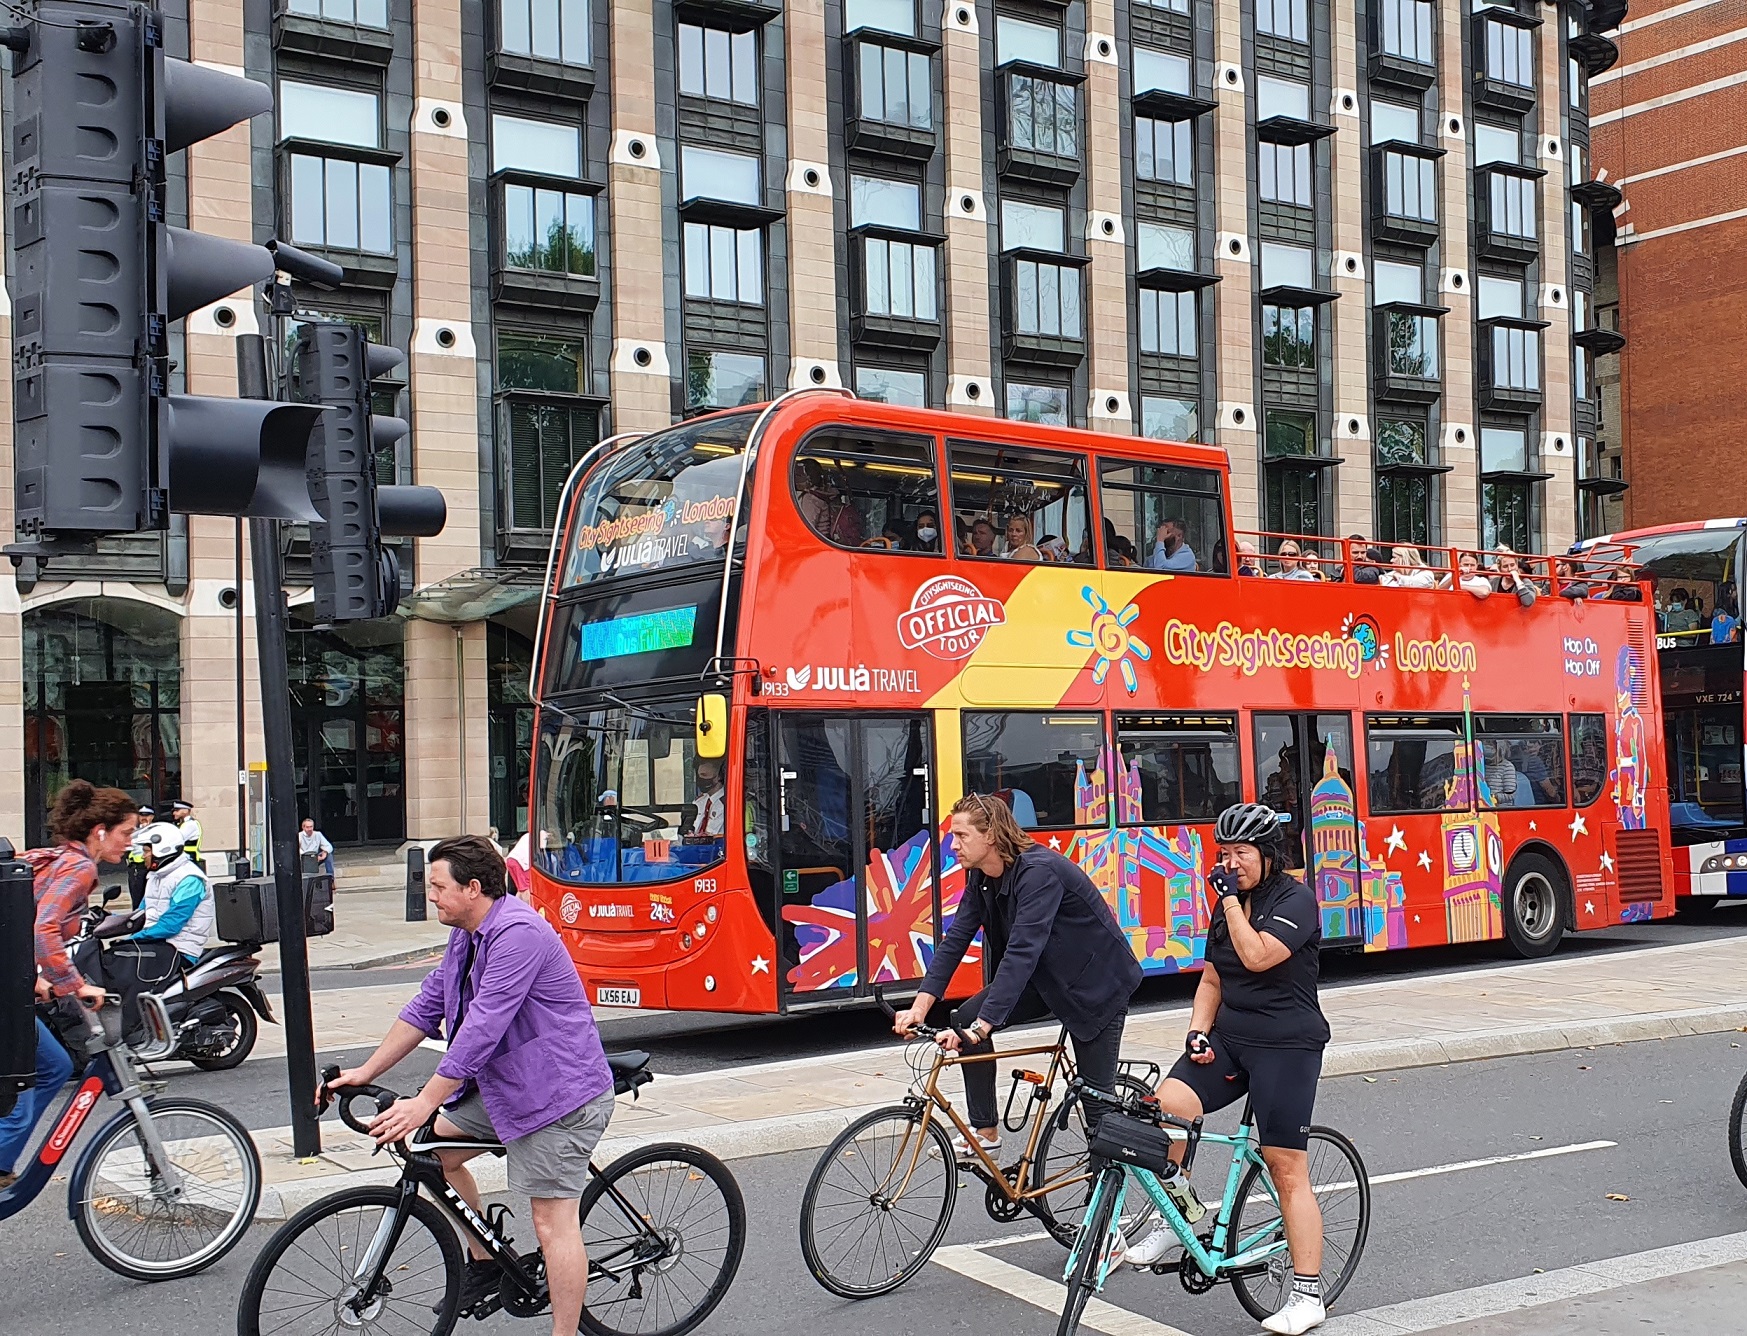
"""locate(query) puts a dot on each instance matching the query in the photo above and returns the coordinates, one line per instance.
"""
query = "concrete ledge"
(814, 1130)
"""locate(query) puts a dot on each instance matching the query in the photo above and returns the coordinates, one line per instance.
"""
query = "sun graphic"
(1373, 649)
(1110, 636)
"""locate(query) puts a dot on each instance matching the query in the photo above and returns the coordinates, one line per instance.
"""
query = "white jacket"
(169, 899)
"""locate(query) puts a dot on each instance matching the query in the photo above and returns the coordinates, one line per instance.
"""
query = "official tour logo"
(949, 618)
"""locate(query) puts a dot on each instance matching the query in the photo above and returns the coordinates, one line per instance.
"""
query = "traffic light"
(100, 445)
(356, 577)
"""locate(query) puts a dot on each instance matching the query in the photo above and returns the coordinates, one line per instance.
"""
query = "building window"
(716, 379)
(889, 385)
(1287, 266)
(1046, 299)
(1504, 450)
(1032, 226)
(1510, 54)
(1404, 499)
(1413, 344)
(1513, 206)
(543, 430)
(1293, 501)
(1033, 43)
(896, 87)
(1285, 172)
(1405, 30)
(1409, 187)
(1043, 116)
(1170, 6)
(1582, 377)
(1046, 405)
(551, 231)
(1576, 85)
(897, 16)
(1288, 340)
(874, 199)
(1282, 97)
(1497, 143)
(1164, 151)
(548, 148)
(1160, 72)
(1393, 122)
(718, 64)
(338, 200)
(364, 13)
(1168, 324)
(1505, 515)
(1516, 358)
(899, 280)
(1165, 419)
(1500, 298)
(724, 264)
(550, 29)
(1582, 230)
(1162, 246)
(1395, 283)
(1284, 18)
(707, 173)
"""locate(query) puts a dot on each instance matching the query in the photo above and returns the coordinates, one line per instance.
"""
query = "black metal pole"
(270, 617)
(242, 717)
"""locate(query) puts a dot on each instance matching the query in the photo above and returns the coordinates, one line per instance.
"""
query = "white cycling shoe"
(1301, 1313)
(1151, 1250)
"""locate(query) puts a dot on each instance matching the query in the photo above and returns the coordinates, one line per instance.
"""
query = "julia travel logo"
(948, 618)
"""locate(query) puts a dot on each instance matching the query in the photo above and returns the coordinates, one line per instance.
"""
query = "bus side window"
(1417, 764)
(869, 490)
(1524, 758)
(1020, 504)
(1163, 517)
(1047, 767)
(1184, 767)
(1588, 758)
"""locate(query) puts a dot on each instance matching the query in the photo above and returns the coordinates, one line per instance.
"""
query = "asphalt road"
(1664, 1104)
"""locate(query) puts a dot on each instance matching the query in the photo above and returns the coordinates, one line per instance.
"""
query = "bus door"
(1304, 767)
(856, 852)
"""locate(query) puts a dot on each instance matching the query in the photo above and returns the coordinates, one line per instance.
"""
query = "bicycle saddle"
(629, 1069)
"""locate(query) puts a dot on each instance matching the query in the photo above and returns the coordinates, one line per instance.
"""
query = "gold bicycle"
(880, 1198)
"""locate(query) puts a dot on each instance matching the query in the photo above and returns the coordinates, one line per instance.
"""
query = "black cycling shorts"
(1281, 1084)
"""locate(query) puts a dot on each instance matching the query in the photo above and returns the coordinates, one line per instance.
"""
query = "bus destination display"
(638, 633)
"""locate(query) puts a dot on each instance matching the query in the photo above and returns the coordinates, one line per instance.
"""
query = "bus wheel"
(1534, 905)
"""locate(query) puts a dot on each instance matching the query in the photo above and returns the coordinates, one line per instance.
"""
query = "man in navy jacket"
(1055, 946)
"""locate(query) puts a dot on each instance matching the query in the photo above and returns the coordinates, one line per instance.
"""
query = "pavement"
(1395, 1023)
(370, 930)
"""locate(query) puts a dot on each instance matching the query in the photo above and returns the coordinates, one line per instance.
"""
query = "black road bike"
(664, 1226)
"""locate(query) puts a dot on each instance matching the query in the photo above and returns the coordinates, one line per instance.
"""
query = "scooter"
(212, 1004)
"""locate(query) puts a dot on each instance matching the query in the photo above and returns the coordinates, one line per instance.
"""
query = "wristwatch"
(979, 1030)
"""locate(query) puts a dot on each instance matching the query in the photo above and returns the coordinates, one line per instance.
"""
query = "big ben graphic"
(1473, 848)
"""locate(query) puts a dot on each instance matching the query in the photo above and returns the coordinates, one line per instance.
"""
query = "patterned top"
(65, 877)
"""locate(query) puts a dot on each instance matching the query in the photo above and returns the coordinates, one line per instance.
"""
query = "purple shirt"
(528, 1039)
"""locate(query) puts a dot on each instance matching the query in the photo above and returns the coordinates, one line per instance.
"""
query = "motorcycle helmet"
(160, 840)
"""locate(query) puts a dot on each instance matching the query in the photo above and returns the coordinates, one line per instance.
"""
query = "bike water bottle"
(1177, 1187)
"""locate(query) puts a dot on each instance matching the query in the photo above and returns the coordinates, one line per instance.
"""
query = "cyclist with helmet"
(1257, 1029)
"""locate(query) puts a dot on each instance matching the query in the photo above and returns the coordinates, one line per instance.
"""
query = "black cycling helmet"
(1249, 823)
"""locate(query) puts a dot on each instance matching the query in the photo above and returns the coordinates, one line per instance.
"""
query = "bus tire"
(1535, 894)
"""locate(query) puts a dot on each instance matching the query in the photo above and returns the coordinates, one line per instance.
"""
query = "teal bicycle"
(1245, 1244)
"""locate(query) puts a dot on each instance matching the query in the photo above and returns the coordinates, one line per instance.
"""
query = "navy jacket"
(1046, 926)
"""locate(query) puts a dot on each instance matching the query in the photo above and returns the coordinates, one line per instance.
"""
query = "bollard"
(17, 978)
(415, 884)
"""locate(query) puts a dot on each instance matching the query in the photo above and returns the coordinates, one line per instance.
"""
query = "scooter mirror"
(113, 893)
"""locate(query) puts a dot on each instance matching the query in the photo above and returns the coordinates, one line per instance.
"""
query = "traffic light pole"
(270, 641)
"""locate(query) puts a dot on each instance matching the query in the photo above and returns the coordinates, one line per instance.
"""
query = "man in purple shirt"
(524, 1066)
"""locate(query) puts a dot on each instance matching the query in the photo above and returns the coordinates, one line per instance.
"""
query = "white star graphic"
(1607, 861)
(1397, 842)
(1532, 826)
(1416, 918)
(1425, 860)
(1578, 827)
(760, 965)
(1055, 843)
(1589, 906)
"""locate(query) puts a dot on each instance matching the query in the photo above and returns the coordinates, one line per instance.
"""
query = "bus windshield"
(660, 502)
(623, 796)
(1695, 569)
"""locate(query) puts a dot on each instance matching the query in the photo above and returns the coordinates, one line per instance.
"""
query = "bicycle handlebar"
(346, 1095)
(916, 1031)
(1134, 1106)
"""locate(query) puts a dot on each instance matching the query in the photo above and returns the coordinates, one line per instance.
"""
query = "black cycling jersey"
(1275, 1008)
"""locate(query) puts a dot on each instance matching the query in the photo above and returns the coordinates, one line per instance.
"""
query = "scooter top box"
(247, 910)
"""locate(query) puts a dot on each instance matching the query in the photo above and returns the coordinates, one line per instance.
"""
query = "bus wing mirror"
(712, 726)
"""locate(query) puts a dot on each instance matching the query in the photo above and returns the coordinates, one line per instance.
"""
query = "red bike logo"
(71, 1120)
(949, 618)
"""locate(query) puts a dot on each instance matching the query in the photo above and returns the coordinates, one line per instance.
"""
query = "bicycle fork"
(1112, 1257)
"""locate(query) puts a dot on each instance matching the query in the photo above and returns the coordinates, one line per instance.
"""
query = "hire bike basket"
(1132, 1142)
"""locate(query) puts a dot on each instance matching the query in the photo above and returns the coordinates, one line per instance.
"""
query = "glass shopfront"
(348, 735)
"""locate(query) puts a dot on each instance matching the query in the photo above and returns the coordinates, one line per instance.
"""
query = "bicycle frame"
(1214, 1262)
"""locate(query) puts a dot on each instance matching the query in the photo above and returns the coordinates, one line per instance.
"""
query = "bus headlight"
(1724, 863)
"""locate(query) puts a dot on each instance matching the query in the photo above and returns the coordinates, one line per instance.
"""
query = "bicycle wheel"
(878, 1203)
(1343, 1191)
(1738, 1150)
(301, 1282)
(1096, 1242)
(128, 1217)
(1061, 1152)
(665, 1227)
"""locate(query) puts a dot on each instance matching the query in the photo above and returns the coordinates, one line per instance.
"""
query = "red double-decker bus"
(780, 642)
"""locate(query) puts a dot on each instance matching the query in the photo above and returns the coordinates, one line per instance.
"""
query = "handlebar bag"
(1132, 1142)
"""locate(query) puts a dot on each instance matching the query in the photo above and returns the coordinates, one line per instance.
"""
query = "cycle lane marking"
(1041, 1292)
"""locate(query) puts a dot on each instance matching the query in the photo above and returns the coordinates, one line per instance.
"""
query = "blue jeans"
(53, 1067)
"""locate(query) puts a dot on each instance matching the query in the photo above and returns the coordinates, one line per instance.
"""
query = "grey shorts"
(552, 1162)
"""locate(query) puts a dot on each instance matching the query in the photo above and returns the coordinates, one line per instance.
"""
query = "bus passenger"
(1248, 559)
(824, 508)
(927, 532)
(1170, 551)
(1571, 582)
(1053, 547)
(1511, 580)
(1468, 577)
(1292, 565)
(1625, 590)
(982, 537)
(1019, 544)
(1408, 570)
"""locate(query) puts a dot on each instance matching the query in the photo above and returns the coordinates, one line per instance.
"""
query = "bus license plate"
(618, 997)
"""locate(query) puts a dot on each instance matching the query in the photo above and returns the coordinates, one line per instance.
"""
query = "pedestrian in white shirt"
(312, 843)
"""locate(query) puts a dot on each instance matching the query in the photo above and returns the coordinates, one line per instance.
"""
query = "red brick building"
(1669, 129)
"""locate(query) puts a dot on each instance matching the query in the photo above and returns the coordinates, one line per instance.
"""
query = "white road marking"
(1049, 1295)
(1377, 1180)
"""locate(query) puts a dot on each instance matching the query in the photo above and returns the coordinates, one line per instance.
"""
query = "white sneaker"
(961, 1148)
(1300, 1314)
(1151, 1250)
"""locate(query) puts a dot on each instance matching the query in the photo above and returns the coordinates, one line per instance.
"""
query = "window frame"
(911, 438)
(1183, 498)
(1425, 723)
(562, 60)
(1481, 733)
(1097, 717)
(710, 228)
(734, 35)
(1072, 465)
(1163, 723)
